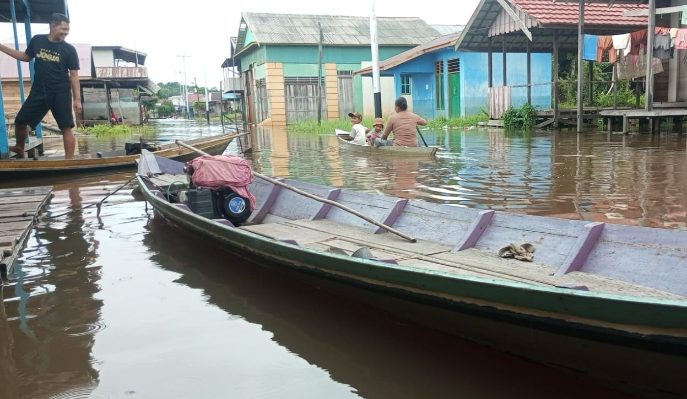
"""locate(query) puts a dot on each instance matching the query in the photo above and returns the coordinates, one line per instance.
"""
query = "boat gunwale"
(61, 165)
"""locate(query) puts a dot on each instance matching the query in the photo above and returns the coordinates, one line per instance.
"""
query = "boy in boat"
(404, 125)
(55, 85)
(358, 131)
(377, 132)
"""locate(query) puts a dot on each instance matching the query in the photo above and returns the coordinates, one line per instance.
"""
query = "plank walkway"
(18, 210)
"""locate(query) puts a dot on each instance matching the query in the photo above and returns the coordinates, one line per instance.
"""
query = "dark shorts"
(38, 104)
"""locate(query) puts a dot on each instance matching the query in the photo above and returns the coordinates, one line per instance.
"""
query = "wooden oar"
(421, 136)
(315, 197)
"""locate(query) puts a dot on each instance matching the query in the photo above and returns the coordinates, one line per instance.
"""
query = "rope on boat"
(96, 204)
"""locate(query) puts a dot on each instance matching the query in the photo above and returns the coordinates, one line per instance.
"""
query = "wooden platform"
(18, 210)
(654, 116)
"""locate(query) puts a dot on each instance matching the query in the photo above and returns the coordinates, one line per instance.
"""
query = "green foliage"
(106, 129)
(521, 118)
(168, 90)
(327, 126)
(441, 122)
(165, 109)
(602, 85)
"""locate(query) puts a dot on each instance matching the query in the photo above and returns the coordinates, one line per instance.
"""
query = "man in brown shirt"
(404, 126)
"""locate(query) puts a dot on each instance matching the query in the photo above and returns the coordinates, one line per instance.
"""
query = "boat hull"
(22, 168)
(637, 343)
(387, 151)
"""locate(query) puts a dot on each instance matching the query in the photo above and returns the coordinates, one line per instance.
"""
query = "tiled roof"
(548, 12)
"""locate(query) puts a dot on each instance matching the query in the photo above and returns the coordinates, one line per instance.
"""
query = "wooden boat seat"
(325, 234)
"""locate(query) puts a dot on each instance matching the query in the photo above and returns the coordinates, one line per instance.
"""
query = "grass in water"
(104, 130)
(328, 126)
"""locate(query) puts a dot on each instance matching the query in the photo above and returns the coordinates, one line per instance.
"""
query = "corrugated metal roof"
(41, 10)
(337, 30)
(433, 45)
(448, 29)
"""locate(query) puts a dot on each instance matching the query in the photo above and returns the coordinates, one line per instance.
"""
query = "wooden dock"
(654, 116)
(19, 208)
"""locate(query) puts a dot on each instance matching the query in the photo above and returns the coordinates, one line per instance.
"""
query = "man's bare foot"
(17, 150)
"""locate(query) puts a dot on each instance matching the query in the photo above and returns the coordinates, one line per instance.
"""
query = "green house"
(278, 57)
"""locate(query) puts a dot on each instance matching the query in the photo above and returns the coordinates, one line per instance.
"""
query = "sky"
(200, 29)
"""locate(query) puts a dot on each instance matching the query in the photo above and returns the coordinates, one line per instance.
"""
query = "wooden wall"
(12, 100)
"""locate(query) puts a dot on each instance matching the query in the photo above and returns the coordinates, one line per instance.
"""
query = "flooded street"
(123, 305)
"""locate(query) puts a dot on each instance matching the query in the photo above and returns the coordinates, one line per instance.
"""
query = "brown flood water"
(125, 306)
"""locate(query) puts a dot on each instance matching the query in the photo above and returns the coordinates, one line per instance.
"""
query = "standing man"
(404, 126)
(55, 84)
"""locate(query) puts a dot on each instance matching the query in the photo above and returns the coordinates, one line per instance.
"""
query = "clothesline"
(600, 48)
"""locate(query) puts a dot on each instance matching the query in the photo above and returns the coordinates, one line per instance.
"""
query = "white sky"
(201, 29)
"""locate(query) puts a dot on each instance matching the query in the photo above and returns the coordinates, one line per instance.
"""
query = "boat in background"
(606, 300)
(26, 167)
(390, 150)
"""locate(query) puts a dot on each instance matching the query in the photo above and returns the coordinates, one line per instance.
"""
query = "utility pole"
(374, 48)
(207, 99)
(183, 58)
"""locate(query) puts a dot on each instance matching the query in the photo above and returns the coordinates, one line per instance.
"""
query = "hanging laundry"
(590, 45)
(684, 15)
(673, 33)
(634, 66)
(662, 47)
(604, 50)
(622, 42)
(637, 41)
(681, 39)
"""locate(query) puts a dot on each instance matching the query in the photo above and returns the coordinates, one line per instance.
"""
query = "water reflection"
(53, 310)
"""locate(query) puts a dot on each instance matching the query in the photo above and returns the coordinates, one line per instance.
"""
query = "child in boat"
(358, 131)
(377, 132)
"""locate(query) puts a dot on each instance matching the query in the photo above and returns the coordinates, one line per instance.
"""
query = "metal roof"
(337, 30)
(40, 10)
(544, 18)
(125, 54)
(433, 45)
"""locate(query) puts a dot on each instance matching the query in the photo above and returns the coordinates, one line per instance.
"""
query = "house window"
(405, 85)
(454, 65)
(439, 85)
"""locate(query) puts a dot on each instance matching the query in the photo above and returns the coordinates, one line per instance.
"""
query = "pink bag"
(216, 171)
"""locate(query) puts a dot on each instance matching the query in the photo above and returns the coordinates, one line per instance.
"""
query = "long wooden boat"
(20, 168)
(608, 300)
(395, 151)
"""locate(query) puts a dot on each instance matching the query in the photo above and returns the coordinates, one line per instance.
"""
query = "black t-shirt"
(53, 63)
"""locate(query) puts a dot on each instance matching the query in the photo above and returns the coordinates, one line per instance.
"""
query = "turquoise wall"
(516, 70)
(253, 57)
(474, 80)
(302, 54)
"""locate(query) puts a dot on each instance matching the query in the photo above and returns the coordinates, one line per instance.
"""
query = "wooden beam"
(580, 74)
(649, 94)
(506, 6)
(583, 247)
(529, 74)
